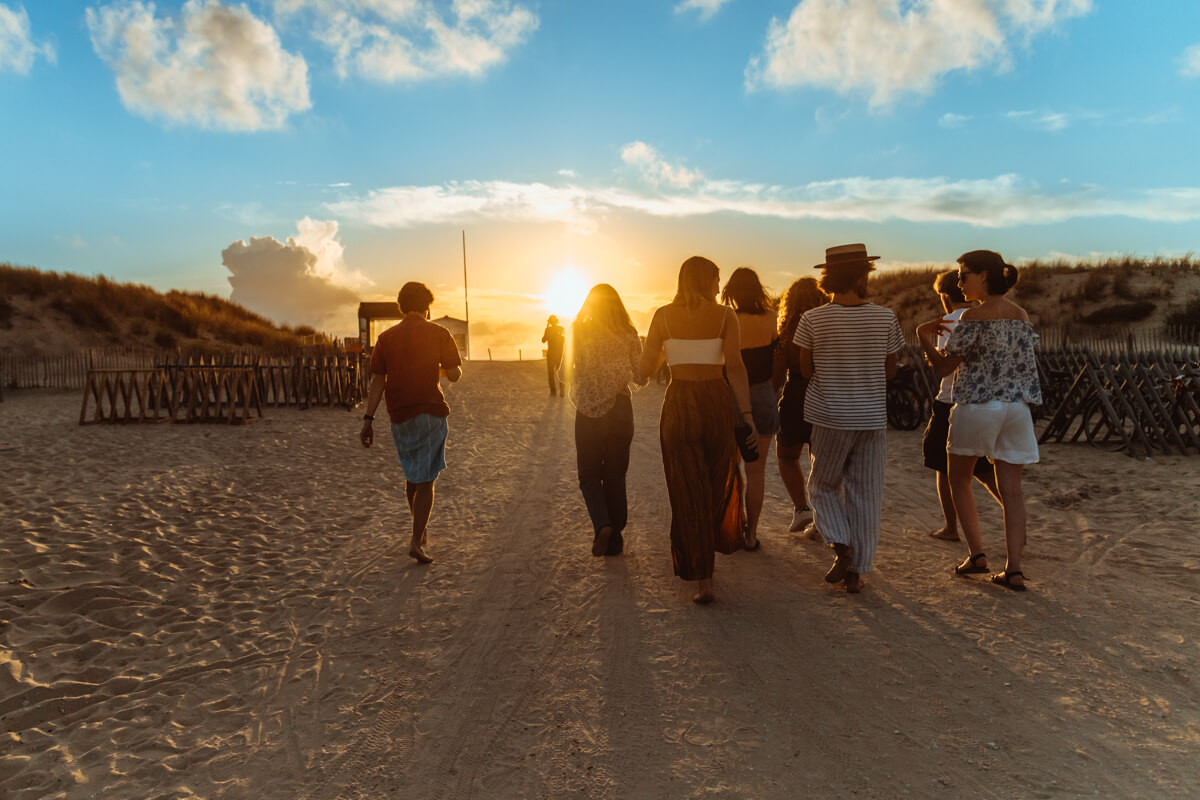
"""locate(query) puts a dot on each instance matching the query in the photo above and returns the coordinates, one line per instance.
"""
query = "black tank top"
(759, 361)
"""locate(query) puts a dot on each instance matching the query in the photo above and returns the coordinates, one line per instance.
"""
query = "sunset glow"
(565, 294)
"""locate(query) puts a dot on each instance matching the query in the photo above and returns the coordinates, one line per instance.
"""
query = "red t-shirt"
(410, 355)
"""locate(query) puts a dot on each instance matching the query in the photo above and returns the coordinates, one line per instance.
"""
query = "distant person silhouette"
(405, 366)
(554, 336)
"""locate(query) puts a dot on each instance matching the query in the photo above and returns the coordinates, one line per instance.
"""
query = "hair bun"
(1010, 275)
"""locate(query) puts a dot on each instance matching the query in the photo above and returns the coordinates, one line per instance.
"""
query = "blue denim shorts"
(421, 445)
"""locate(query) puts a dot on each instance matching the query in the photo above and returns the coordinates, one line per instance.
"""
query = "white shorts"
(996, 429)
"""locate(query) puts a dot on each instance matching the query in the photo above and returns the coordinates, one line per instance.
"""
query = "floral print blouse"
(998, 361)
(602, 367)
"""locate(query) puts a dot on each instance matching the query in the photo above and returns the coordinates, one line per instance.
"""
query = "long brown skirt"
(704, 483)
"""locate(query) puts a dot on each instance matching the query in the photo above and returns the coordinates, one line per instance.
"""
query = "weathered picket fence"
(229, 388)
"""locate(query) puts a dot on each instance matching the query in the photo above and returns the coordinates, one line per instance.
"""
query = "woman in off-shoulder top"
(699, 338)
(991, 353)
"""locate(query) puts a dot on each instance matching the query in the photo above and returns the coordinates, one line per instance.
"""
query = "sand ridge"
(209, 611)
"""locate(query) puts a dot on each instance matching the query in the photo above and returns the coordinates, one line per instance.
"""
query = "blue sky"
(302, 154)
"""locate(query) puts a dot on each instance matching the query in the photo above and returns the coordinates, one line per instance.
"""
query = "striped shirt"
(850, 346)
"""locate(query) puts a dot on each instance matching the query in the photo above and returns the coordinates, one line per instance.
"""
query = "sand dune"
(229, 612)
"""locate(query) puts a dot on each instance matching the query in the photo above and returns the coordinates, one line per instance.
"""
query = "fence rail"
(303, 378)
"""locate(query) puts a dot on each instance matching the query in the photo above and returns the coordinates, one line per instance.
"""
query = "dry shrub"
(85, 312)
(1187, 317)
(1121, 285)
(1121, 312)
(96, 304)
(1095, 287)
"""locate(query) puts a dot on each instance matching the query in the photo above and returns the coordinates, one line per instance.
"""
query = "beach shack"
(375, 318)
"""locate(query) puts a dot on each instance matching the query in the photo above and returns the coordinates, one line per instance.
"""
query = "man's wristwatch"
(367, 417)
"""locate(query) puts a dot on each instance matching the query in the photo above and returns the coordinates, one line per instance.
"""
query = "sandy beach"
(203, 611)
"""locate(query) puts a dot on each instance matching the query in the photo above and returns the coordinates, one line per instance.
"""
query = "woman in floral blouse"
(991, 353)
(601, 363)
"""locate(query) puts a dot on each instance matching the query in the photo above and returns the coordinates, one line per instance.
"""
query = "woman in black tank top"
(745, 294)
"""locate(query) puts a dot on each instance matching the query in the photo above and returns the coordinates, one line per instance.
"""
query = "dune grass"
(1087, 295)
(130, 313)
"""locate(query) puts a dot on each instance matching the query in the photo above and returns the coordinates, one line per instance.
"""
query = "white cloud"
(1189, 65)
(890, 47)
(412, 206)
(949, 120)
(319, 237)
(997, 202)
(656, 169)
(17, 48)
(1052, 121)
(219, 67)
(707, 8)
(291, 282)
(413, 40)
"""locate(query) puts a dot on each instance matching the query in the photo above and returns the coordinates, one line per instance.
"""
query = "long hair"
(947, 283)
(802, 295)
(744, 292)
(602, 312)
(696, 277)
(1000, 276)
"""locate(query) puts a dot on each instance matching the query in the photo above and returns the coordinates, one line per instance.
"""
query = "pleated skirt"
(704, 482)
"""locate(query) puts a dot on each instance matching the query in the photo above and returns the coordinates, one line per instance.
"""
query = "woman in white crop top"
(699, 339)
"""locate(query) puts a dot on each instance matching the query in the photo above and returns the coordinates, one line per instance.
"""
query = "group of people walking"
(813, 372)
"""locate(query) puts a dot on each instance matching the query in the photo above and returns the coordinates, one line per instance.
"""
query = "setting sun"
(566, 293)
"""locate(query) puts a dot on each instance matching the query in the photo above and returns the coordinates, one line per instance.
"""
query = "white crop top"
(694, 351)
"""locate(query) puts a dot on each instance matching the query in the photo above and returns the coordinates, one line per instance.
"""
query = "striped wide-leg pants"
(845, 488)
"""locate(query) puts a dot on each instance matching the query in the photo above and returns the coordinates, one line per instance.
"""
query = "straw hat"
(845, 255)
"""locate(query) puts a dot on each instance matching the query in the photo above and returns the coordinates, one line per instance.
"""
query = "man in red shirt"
(405, 367)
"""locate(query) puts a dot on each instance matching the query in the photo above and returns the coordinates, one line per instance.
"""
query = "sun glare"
(565, 293)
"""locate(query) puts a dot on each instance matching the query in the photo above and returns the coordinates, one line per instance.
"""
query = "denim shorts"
(421, 445)
(1002, 431)
(764, 408)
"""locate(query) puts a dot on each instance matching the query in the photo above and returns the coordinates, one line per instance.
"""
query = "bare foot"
(420, 555)
(944, 535)
(854, 583)
(750, 539)
(600, 541)
(705, 595)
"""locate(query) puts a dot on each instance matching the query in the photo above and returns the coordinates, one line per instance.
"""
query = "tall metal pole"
(466, 301)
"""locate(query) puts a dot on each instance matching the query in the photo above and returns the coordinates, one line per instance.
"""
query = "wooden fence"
(44, 372)
(230, 388)
(1138, 395)
(312, 377)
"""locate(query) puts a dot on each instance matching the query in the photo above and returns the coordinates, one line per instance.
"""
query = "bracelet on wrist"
(367, 417)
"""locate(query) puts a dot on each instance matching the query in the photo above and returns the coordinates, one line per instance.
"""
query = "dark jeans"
(602, 454)
(553, 360)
